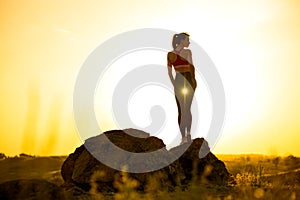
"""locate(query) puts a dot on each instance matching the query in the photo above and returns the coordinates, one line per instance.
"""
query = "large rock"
(83, 170)
(199, 161)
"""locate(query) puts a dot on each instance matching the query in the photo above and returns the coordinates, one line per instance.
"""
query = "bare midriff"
(183, 68)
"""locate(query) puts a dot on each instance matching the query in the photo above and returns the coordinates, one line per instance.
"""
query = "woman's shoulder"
(183, 52)
(186, 52)
(171, 55)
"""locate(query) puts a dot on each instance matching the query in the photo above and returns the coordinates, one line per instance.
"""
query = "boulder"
(198, 161)
(84, 170)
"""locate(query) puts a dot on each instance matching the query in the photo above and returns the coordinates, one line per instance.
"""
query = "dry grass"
(255, 177)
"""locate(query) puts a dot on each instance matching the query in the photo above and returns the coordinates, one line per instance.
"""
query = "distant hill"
(30, 167)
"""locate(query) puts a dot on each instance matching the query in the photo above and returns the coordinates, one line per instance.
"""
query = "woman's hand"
(193, 76)
(194, 83)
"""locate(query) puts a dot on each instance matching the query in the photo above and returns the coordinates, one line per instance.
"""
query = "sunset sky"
(254, 45)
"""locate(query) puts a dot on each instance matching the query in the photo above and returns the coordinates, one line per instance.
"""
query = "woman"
(184, 83)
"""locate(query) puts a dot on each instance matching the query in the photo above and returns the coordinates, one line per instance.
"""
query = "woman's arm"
(170, 69)
(189, 56)
(190, 60)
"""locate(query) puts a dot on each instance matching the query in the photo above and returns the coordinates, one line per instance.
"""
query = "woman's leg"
(184, 101)
(189, 114)
(184, 113)
(178, 86)
(189, 100)
(180, 120)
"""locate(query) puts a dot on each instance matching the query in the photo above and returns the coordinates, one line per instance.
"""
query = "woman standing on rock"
(184, 83)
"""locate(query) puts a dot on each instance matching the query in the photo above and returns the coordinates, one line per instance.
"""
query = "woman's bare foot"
(184, 140)
(188, 137)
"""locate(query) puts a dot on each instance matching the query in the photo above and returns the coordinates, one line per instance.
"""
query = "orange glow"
(254, 45)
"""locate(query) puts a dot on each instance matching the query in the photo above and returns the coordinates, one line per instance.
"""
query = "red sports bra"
(180, 61)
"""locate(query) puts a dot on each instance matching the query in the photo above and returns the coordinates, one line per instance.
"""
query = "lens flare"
(184, 91)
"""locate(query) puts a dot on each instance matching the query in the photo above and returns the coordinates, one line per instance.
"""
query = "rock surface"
(83, 170)
(208, 167)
